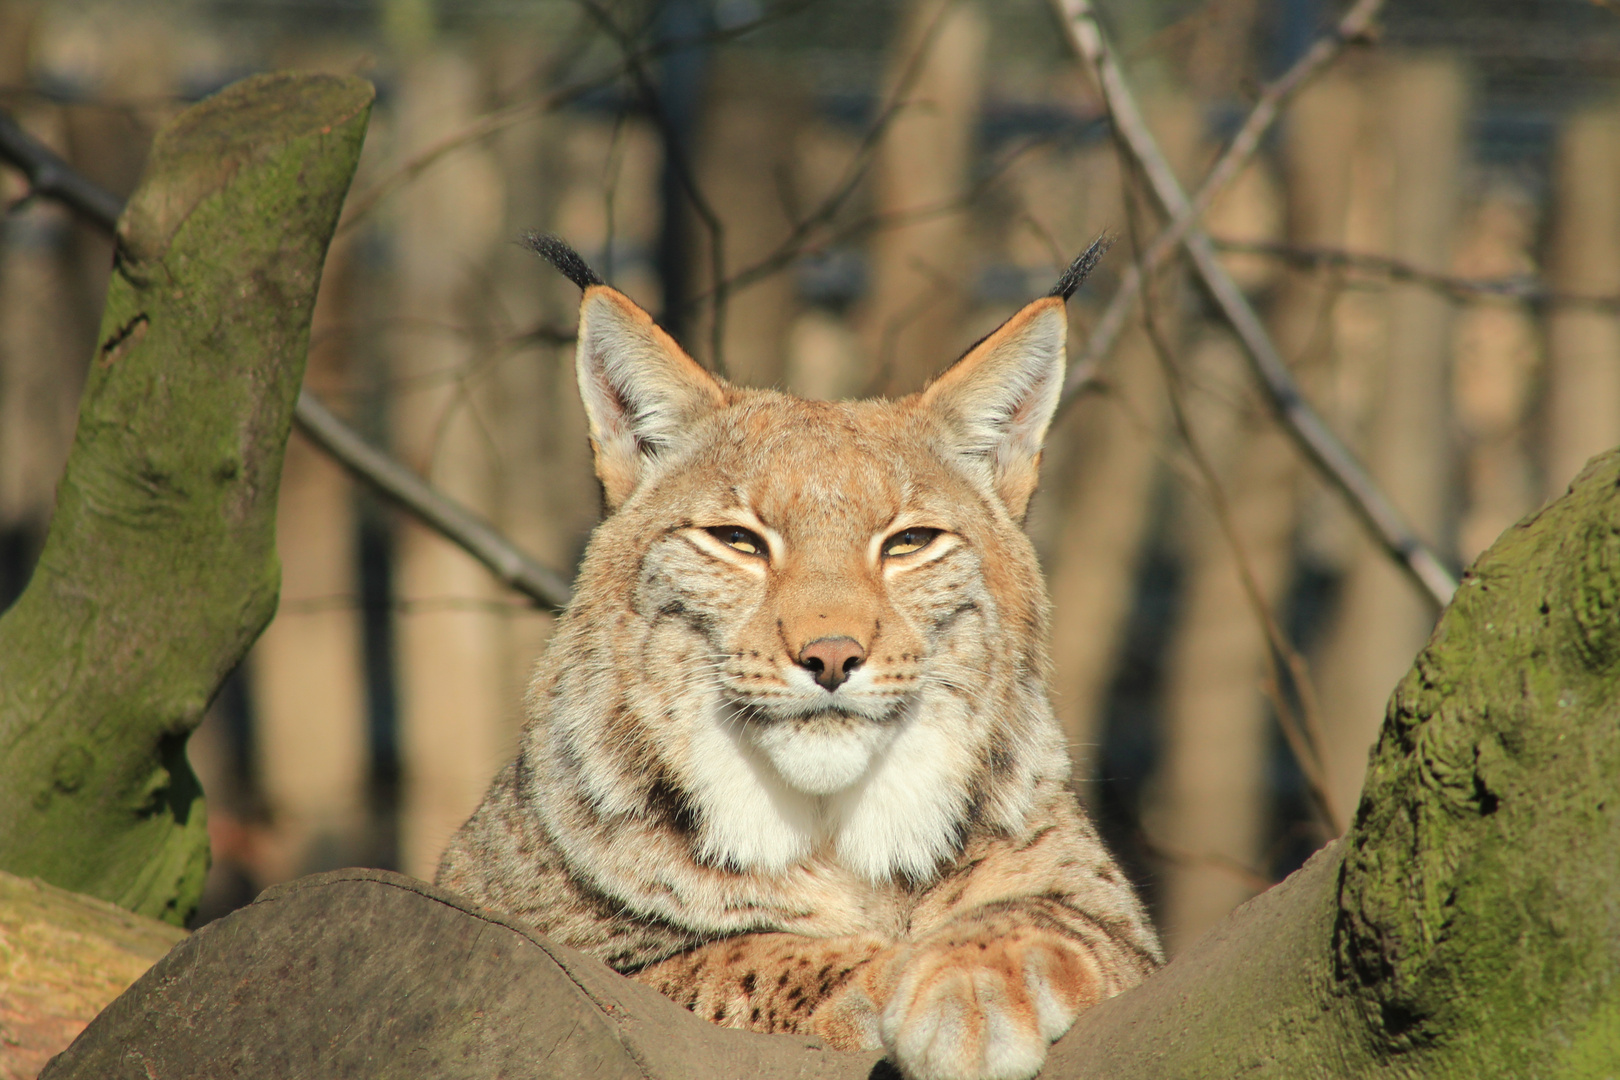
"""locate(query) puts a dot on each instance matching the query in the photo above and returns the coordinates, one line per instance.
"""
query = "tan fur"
(893, 862)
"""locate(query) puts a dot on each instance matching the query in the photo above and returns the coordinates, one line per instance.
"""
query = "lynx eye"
(735, 536)
(907, 541)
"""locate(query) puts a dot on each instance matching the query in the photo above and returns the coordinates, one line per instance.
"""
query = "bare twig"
(359, 205)
(52, 178)
(443, 514)
(482, 127)
(1332, 459)
(1303, 733)
(796, 243)
(1525, 287)
(1354, 26)
(682, 167)
(450, 519)
(488, 124)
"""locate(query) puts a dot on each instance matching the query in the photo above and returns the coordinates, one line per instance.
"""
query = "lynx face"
(790, 758)
(822, 586)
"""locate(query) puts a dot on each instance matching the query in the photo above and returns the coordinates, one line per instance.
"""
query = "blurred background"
(836, 197)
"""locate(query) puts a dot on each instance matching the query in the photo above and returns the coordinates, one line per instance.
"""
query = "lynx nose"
(832, 659)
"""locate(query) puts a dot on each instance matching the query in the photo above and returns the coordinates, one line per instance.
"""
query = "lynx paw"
(985, 1010)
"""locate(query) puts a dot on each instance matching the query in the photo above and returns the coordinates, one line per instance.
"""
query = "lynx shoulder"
(789, 756)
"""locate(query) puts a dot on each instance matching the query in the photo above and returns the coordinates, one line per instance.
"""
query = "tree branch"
(439, 512)
(1526, 288)
(1332, 459)
(797, 242)
(685, 173)
(50, 176)
(504, 117)
(1302, 728)
(1100, 342)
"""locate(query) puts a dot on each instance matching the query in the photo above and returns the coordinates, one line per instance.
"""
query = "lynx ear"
(641, 392)
(998, 399)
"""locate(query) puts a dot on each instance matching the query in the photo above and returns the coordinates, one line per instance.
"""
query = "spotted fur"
(888, 857)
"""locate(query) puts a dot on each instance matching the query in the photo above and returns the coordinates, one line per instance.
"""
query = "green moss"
(1486, 851)
(1594, 1050)
(1468, 925)
(160, 568)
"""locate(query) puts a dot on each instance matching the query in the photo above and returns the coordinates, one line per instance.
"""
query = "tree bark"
(63, 957)
(1463, 927)
(160, 567)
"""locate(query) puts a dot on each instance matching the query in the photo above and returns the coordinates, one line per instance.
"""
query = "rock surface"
(370, 973)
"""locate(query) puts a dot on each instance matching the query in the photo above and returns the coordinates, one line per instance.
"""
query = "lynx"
(790, 758)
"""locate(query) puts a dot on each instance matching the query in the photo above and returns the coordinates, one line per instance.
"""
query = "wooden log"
(63, 957)
(370, 973)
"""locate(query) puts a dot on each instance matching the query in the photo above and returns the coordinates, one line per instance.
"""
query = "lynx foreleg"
(768, 982)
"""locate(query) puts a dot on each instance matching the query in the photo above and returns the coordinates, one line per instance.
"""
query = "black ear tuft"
(1084, 263)
(564, 258)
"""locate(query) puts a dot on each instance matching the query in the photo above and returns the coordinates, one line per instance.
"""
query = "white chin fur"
(822, 755)
(888, 795)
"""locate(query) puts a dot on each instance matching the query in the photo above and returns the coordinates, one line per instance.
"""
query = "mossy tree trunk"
(160, 568)
(1466, 925)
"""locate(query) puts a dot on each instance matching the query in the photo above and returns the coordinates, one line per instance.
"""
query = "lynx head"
(809, 629)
